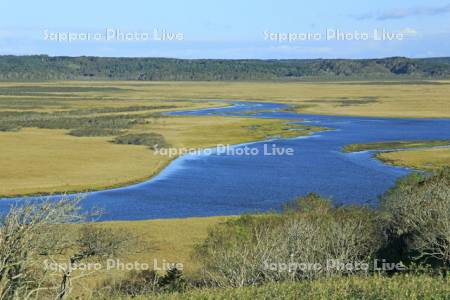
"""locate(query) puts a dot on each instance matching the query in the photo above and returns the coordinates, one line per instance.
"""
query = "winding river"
(209, 184)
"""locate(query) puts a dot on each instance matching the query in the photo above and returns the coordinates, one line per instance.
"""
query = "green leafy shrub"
(173, 281)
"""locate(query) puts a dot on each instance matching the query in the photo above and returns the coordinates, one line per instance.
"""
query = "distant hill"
(43, 67)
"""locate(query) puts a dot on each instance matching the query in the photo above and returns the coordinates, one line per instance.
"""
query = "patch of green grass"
(282, 130)
(395, 145)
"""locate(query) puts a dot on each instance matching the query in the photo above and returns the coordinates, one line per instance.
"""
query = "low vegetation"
(350, 287)
(411, 227)
(428, 155)
(35, 164)
(395, 145)
(7, 127)
(70, 120)
(153, 140)
(257, 249)
(405, 244)
(33, 236)
(403, 99)
(146, 282)
(417, 218)
(95, 131)
(424, 159)
(272, 253)
(37, 120)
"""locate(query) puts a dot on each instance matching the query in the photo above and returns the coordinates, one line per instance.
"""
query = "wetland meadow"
(351, 142)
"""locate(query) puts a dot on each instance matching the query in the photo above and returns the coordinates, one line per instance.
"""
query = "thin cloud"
(410, 32)
(362, 17)
(401, 13)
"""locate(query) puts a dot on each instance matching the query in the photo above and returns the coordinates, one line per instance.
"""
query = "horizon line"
(227, 59)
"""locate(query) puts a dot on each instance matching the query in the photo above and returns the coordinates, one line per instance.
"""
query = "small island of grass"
(411, 154)
(395, 145)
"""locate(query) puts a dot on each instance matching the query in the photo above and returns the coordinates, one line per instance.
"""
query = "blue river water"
(217, 183)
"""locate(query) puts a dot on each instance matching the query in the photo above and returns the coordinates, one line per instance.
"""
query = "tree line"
(43, 67)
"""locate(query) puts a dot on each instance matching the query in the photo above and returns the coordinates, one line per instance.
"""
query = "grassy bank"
(64, 137)
(232, 252)
(425, 159)
(394, 145)
(422, 159)
(49, 160)
(49, 130)
(39, 154)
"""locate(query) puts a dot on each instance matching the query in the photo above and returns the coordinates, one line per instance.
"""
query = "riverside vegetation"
(424, 155)
(37, 119)
(120, 123)
(411, 229)
(42, 118)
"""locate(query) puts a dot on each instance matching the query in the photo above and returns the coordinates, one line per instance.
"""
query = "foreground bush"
(312, 239)
(417, 214)
(297, 244)
(35, 234)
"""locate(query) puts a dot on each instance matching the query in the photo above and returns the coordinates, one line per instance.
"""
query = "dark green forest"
(43, 67)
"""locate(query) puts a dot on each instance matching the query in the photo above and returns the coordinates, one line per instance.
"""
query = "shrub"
(173, 281)
(134, 284)
(418, 215)
(32, 233)
(72, 120)
(8, 127)
(153, 140)
(145, 282)
(310, 233)
(94, 131)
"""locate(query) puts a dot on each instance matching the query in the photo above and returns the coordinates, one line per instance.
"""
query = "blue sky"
(227, 29)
